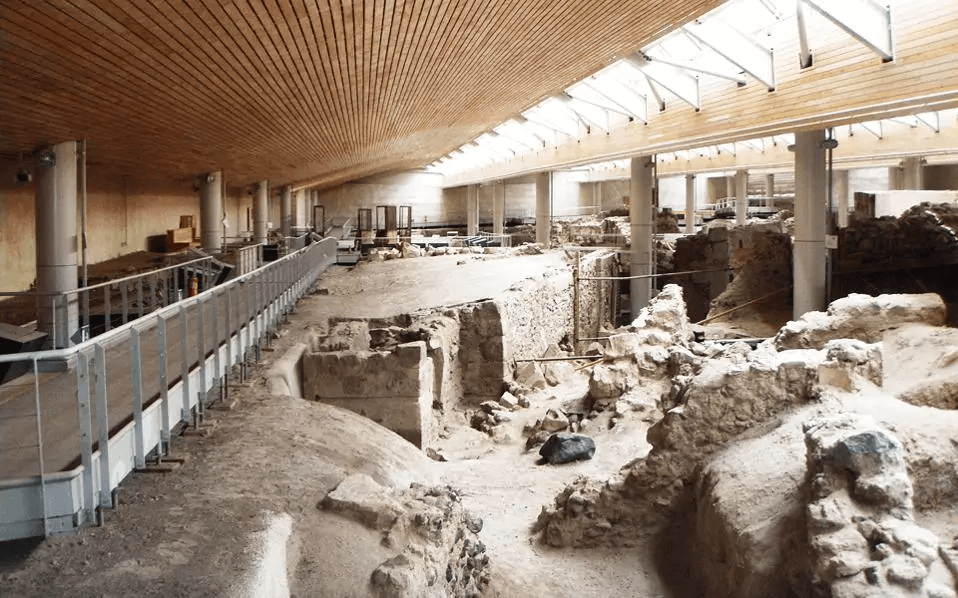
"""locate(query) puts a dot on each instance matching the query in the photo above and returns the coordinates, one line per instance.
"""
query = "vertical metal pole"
(106, 307)
(217, 345)
(139, 456)
(86, 313)
(185, 364)
(139, 297)
(201, 353)
(229, 328)
(164, 386)
(153, 285)
(86, 435)
(103, 424)
(575, 302)
(43, 475)
(124, 298)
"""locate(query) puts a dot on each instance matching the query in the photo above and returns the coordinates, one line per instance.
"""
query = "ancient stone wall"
(393, 388)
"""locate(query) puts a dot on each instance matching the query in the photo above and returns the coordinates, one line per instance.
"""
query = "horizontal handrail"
(66, 353)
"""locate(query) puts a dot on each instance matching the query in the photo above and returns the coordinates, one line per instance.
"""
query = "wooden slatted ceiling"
(296, 91)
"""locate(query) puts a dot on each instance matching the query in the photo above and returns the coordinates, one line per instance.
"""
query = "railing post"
(43, 475)
(86, 434)
(139, 456)
(153, 285)
(106, 308)
(164, 386)
(124, 298)
(185, 364)
(217, 331)
(201, 353)
(139, 296)
(103, 424)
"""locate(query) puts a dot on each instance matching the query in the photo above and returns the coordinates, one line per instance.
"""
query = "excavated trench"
(719, 502)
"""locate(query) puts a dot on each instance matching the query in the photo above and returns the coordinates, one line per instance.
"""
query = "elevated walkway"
(83, 418)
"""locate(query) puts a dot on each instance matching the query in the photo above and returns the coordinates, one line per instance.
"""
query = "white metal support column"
(260, 211)
(913, 172)
(640, 218)
(690, 204)
(841, 197)
(472, 210)
(498, 207)
(56, 241)
(808, 275)
(211, 211)
(741, 196)
(285, 207)
(544, 208)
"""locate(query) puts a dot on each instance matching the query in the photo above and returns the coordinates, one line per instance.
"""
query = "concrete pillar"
(769, 190)
(544, 208)
(640, 218)
(840, 197)
(312, 216)
(808, 275)
(472, 210)
(285, 209)
(498, 207)
(741, 196)
(57, 242)
(913, 171)
(690, 204)
(260, 211)
(298, 213)
(211, 211)
(896, 178)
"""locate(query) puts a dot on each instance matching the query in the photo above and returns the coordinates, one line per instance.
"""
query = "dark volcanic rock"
(564, 447)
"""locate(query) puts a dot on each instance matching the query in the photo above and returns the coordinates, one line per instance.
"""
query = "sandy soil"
(192, 532)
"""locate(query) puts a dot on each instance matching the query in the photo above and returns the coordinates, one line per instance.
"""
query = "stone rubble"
(438, 552)
(708, 404)
(862, 532)
(860, 317)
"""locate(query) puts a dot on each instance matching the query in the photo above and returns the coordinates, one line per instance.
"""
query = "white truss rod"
(633, 96)
(522, 121)
(866, 20)
(675, 80)
(875, 128)
(932, 120)
(742, 51)
(567, 103)
(694, 68)
(805, 58)
(545, 124)
(608, 104)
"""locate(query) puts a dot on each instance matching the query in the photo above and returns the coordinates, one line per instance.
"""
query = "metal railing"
(87, 416)
(248, 258)
(120, 299)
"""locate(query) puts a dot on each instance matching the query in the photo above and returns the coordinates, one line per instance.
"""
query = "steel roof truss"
(677, 81)
(744, 52)
(637, 104)
(866, 20)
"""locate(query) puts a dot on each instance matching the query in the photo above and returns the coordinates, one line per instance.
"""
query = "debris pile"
(860, 317)
(863, 536)
(438, 550)
(716, 396)
(923, 232)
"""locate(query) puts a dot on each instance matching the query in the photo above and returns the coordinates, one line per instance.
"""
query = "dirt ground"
(193, 531)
